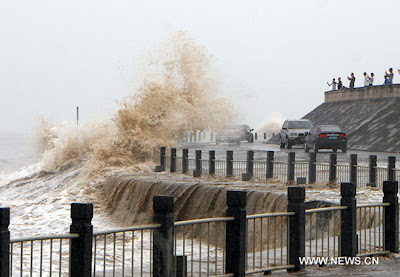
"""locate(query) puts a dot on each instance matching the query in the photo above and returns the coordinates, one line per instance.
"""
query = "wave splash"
(177, 94)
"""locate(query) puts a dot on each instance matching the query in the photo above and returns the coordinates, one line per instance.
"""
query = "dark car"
(235, 134)
(326, 137)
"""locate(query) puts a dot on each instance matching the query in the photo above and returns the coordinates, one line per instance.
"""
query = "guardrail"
(126, 258)
(40, 255)
(322, 231)
(267, 242)
(233, 245)
(284, 171)
(370, 228)
(200, 246)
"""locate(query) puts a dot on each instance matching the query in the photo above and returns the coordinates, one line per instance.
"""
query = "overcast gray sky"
(274, 57)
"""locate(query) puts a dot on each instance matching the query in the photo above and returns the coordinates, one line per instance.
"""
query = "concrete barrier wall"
(370, 92)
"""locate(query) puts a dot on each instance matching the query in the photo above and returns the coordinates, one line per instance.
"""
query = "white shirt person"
(366, 81)
(333, 84)
(371, 79)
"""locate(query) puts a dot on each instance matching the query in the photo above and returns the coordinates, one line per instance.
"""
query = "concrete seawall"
(371, 123)
(370, 92)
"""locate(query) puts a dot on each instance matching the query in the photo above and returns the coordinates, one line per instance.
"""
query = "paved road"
(261, 149)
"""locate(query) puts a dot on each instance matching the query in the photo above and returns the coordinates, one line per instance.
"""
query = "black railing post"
(191, 136)
(163, 238)
(211, 162)
(372, 170)
(4, 242)
(312, 168)
(270, 164)
(81, 247)
(212, 136)
(161, 167)
(236, 233)
(195, 136)
(249, 166)
(391, 169)
(181, 266)
(173, 160)
(297, 229)
(353, 168)
(265, 135)
(162, 157)
(229, 163)
(250, 162)
(332, 167)
(185, 161)
(348, 236)
(197, 172)
(255, 136)
(290, 166)
(391, 228)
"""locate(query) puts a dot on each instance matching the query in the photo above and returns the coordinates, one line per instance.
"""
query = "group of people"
(368, 80)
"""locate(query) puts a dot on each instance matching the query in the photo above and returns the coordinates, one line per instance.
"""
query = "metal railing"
(362, 175)
(239, 167)
(259, 169)
(205, 166)
(320, 172)
(192, 164)
(280, 170)
(323, 172)
(267, 242)
(300, 169)
(370, 229)
(343, 173)
(220, 168)
(322, 231)
(201, 243)
(178, 164)
(123, 251)
(381, 175)
(40, 255)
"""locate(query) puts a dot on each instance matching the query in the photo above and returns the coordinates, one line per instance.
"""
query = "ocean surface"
(39, 200)
(17, 150)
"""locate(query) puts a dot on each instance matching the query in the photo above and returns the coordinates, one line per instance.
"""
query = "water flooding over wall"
(129, 199)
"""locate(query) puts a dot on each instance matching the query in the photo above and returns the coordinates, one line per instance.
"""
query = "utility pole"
(77, 115)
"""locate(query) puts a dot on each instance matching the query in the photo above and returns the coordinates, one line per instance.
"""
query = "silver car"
(235, 134)
(294, 132)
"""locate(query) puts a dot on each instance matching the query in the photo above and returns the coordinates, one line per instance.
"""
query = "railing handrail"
(272, 268)
(326, 209)
(279, 162)
(204, 220)
(253, 216)
(373, 205)
(45, 237)
(384, 252)
(301, 162)
(127, 229)
(316, 163)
